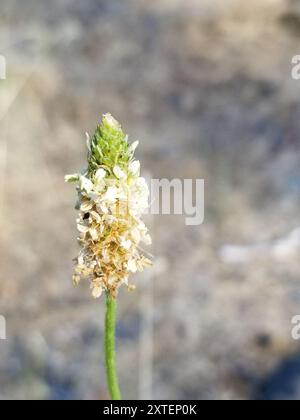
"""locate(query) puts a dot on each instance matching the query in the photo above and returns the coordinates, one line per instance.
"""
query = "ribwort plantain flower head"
(112, 197)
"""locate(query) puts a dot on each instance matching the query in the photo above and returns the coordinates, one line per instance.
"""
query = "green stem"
(110, 355)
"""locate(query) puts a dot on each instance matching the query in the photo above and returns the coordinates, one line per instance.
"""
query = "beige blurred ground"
(206, 88)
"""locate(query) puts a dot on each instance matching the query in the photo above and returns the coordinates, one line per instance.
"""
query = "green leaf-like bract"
(108, 146)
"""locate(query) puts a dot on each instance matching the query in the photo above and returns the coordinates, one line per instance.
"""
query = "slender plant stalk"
(110, 354)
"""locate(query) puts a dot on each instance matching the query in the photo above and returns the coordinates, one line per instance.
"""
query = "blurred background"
(206, 87)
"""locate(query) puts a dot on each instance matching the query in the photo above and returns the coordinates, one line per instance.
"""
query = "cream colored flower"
(100, 174)
(134, 168)
(126, 244)
(132, 265)
(119, 173)
(86, 184)
(111, 194)
(133, 146)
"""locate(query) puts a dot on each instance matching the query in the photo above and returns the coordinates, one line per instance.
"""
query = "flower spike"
(112, 197)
